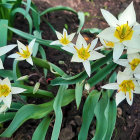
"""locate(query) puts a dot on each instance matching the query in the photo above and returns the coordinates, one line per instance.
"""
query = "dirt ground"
(128, 120)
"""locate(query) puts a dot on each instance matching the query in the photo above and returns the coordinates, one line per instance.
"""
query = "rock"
(66, 133)
(78, 120)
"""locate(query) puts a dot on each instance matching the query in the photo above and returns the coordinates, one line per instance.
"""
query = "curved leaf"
(81, 17)
(88, 113)
(91, 30)
(41, 130)
(6, 116)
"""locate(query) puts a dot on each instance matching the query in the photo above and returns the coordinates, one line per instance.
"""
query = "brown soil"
(128, 120)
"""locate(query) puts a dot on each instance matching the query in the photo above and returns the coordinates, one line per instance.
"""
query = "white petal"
(87, 67)
(117, 52)
(15, 55)
(137, 75)
(128, 15)
(16, 90)
(1, 64)
(57, 42)
(114, 86)
(59, 35)
(123, 76)
(65, 32)
(21, 46)
(75, 58)
(128, 99)
(7, 82)
(134, 43)
(69, 48)
(93, 44)
(95, 55)
(137, 90)
(80, 41)
(120, 96)
(108, 34)
(99, 48)
(7, 100)
(128, 70)
(137, 69)
(133, 56)
(111, 20)
(122, 62)
(132, 50)
(31, 44)
(71, 36)
(5, 49)
(20, 58)
(137, 29)
(29, 60)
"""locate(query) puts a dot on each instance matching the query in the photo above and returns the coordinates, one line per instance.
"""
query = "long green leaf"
(102, 124)
(6, 73)
(31, 37)
(81, 17)
(6, 116)
(58, 112)
(41, 130)
(34, 112)
(58, 8)
(79, 92)
(88, 113)
(91, 30)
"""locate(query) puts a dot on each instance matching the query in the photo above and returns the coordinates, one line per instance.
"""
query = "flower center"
(124, 32)
(134, 63)
(64, 40)
(25, 53)
(109, 44)
(127, 86)
(83, 53)
(4, 90)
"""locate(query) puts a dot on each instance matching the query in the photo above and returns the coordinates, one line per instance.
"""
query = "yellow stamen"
(64, 40)
(4, 90)
(83, 53)
(134, 63)
(25, 53)
(123, 32)
(127, 86)
(109, 44)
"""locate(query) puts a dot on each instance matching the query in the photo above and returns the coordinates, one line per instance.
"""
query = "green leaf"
(29, 89)
(91, 30)
(31, 37)
(101, 74)
(58, 112)
(3, 31)
(79, 92)
(6, 73)
(34, 112)
(6, 116)
(57, 8)
(27, 16)
(41, 130)
(101, 124)
(81, 17)
(111, 118)
(83, 75)
(28, 7)
(88, 113)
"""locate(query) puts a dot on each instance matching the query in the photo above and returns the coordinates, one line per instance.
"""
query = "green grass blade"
(88, 113)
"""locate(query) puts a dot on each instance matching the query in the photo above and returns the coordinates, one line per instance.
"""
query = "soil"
(128, 117)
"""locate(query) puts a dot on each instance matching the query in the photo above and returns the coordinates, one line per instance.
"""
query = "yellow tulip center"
(134, 63)
(83, 53)
(127, 86)
(25, 53)
(4, 90)
(109, 44)
(123, 32)
(64, 40)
